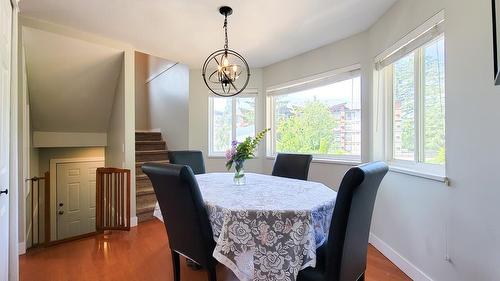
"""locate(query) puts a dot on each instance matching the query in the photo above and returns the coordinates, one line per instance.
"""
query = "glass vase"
(239, 174)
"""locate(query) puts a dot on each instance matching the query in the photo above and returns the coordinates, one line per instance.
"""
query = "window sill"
(420, 174)
(329, 161)
(224, 157)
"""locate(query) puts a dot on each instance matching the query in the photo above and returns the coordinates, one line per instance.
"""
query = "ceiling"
(71, 82)
(263, 31)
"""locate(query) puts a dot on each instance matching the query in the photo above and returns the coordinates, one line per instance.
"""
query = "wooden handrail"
(112, 199)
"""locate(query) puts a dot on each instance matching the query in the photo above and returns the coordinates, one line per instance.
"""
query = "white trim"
(420, 174)
(326, 78)
(401, 262)
(411, 36)
(69, 139)
(247, 93)
(133, 221)
(327, 161)
(155, 130)
(14, 149)
(314, 78)
(22, 248)
(53, 188)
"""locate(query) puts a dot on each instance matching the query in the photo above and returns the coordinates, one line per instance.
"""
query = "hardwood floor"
(141, 254)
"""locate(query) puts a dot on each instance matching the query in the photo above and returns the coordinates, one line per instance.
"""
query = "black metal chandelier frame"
(226, 84)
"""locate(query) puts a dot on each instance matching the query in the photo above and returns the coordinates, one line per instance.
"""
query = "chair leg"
(211, 272)
(362, 277)
(176, 266)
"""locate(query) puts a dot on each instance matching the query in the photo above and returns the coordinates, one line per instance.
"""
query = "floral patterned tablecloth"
(268, 229)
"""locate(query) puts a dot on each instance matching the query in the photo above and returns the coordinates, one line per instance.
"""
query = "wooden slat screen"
(112, 199)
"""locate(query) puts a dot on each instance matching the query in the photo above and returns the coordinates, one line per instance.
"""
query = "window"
(320, 117)
(414, 84)
(230, 119)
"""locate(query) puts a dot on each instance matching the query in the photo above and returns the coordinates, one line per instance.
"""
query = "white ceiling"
(71, 82)
(263, 31)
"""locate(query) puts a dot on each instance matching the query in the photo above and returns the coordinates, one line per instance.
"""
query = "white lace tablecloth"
(268, 229)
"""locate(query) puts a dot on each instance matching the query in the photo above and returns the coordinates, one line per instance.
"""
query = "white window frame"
(417, 167)
(248, 93)
(326, 78)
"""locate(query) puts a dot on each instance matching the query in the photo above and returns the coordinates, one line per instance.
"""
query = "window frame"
(310, 82)
(417, 166)
(248, 93)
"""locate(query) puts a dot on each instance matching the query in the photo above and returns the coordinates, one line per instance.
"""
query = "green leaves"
(245, 150)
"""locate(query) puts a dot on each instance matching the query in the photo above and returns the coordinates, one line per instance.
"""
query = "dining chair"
(294, 166)
(343, 256)
(192, 158)
(185, 217)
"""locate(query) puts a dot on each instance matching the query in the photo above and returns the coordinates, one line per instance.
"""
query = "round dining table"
(269, 228)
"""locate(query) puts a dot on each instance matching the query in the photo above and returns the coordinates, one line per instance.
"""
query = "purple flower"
(228, 155)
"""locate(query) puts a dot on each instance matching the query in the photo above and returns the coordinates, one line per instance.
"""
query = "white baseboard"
(22, 248)
(133, 221)
(401, 262)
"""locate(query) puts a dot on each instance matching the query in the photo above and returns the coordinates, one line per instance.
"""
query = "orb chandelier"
(225, 72)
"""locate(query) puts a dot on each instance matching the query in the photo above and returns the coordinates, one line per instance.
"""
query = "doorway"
(75, 197)
(5, 63)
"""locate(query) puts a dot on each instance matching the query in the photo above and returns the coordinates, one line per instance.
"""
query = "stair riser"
(145, 217)
(145, 200)
(138, 171)
(149, 146)
(151, 157)
(153, 136)
(143, 183)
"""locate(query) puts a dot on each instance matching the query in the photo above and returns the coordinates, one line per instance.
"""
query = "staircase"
(149, 147)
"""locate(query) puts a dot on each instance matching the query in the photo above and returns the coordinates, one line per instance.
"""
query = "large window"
(231, 119)
(322, 118)
(415, 91)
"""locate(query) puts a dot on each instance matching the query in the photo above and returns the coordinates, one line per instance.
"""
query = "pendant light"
(225, 72)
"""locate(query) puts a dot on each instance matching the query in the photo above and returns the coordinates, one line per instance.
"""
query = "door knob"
(60, 212)
(6, 191)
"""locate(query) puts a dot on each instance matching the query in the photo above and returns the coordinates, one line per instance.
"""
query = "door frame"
(13, 256)
(53, 188)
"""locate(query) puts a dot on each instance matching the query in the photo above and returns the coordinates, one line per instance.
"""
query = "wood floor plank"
(139, 255)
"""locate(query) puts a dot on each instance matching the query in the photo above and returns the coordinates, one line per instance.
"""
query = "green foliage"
(244, 150)
(308, 130)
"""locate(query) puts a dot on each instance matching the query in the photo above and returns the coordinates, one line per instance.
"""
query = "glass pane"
(222, 123)
(434, 100)
(324, 121)
(404, 108)
(245, 118)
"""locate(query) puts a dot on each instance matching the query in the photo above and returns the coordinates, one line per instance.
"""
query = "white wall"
(422, 220)
(142, 115)
(120, 152)
(116, 128)
(198, 120)
(162, 99)
(169, 106)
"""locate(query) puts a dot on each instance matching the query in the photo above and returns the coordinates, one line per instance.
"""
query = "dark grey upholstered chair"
(185, 217)
(343, 256)
(192, 158)
(294, 166)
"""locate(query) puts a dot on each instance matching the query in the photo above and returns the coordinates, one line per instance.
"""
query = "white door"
(76, 195)
(5, 53)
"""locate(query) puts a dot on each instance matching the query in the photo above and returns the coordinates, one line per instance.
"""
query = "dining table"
(269, 228)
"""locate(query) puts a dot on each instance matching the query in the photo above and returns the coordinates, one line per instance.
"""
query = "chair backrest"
(350, 227)
(184, 214)
(192, 158)
(295, 166)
